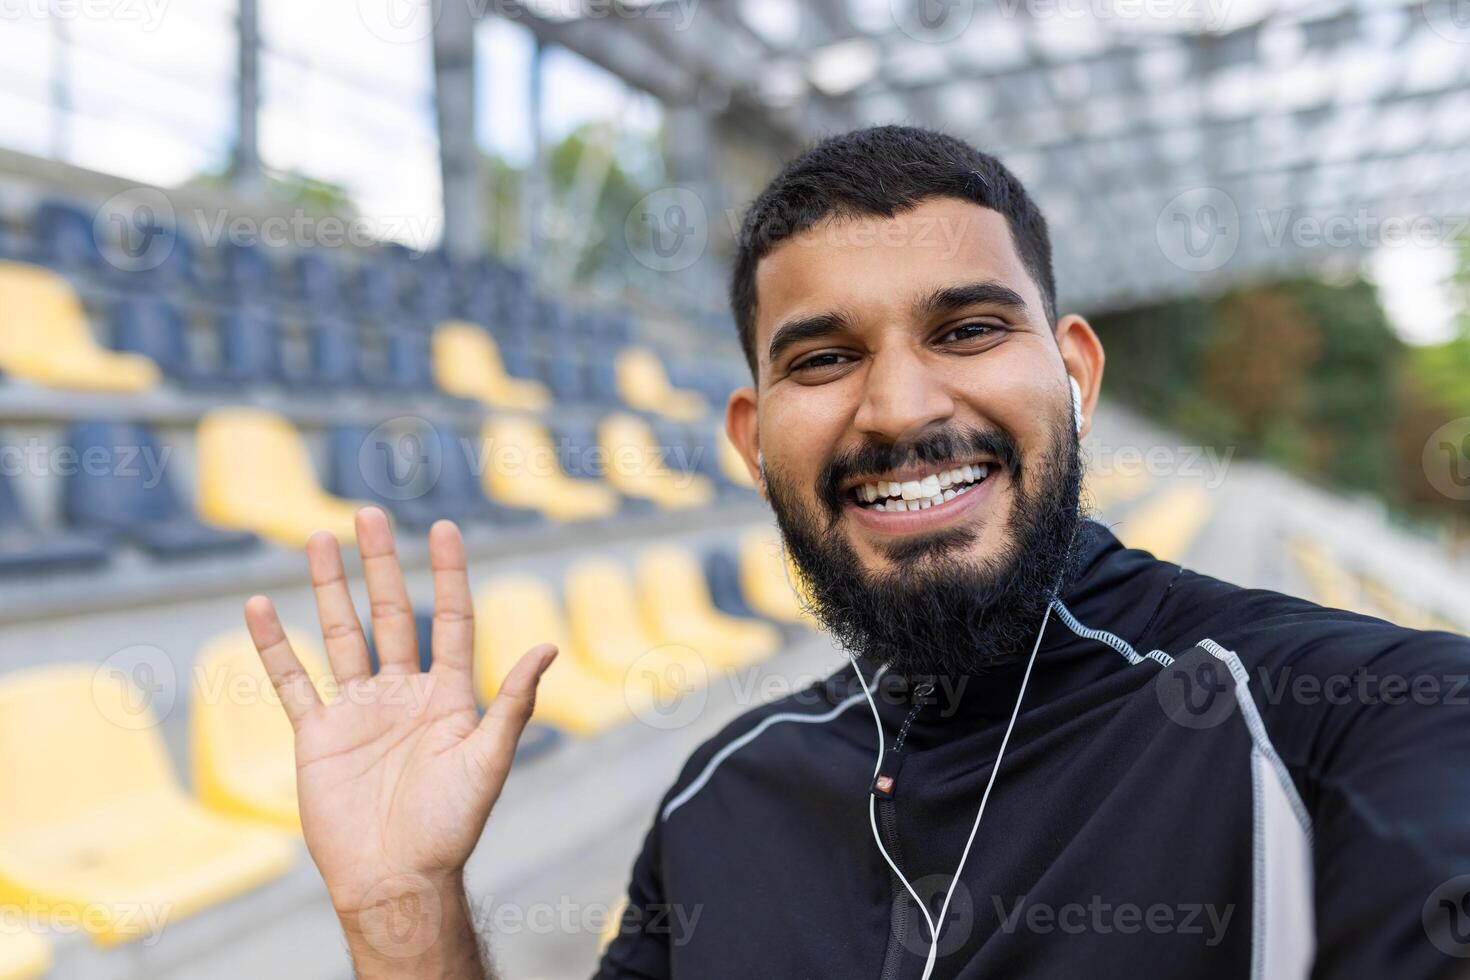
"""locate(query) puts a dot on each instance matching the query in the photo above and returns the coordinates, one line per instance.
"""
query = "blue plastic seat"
(155, 328)
(65, 236)
(429, 296)
(25, 549)
(567, 376)
(250, 348)
(318, 283)
(373, 292)
(365, 468)
(458, 493)
(123, 488)
(410, 367)
(246, 271)
(722, 572)
(336, 360)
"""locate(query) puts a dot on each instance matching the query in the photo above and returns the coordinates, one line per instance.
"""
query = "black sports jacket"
(1204, 781)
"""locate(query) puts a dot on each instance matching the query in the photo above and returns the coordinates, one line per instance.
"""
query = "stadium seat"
(255, 474)
(247, 271)
(250, 347)
(677, 609)
(607, 629)
(514, 613)
(24, 955)
(106, 835)
(335, 358)
(467, 363)
(125, 489)
(635, 466)
(409, 366)
(45, 337)
(458, 493)
(732, 464)
(26, 549)
(644, 385)
(380, 474)
(373, 291)
(722, 572)
(66, 236)
(155, 328)
(768, 580)
(241, 746)
(521, 469)
(318, 282)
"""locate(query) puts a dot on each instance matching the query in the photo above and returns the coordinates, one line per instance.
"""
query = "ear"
(1082, 355)
(743, 428)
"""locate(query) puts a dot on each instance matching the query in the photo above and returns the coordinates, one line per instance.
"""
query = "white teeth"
(931, 490)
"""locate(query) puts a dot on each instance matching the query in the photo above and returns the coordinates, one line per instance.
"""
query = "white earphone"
(1077, 418)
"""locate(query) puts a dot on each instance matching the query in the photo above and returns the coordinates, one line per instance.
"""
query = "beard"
(936, 610)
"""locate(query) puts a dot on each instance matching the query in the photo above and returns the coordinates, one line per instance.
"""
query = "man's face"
(914, 414)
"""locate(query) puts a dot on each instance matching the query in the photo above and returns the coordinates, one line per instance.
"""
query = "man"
(1053, 756)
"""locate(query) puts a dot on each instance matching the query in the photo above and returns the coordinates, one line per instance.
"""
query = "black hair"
(882, 171)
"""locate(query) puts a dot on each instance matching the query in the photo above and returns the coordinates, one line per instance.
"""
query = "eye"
(968, 331)
(826, 359)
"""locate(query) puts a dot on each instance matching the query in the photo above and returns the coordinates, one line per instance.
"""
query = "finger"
(347, 649)
(454, 610)
(393, 628)
(494, 741)
(298, 694)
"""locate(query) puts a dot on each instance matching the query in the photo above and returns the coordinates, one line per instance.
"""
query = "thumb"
(493, 742)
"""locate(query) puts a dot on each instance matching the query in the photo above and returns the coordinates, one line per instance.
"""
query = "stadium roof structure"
(1175, 145)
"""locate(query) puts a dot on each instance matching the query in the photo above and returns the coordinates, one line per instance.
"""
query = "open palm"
(396, 772)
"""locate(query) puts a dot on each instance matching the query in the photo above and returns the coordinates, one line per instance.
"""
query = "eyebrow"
(988, 292)
(804, 328)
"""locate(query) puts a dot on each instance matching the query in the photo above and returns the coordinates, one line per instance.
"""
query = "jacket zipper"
(899, 918)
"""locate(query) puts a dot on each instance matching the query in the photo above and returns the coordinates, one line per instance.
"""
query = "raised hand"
(397, 772)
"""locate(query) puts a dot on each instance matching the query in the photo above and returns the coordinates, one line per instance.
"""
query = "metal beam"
(459, 153)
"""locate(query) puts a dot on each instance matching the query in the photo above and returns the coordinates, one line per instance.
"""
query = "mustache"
(946, 445)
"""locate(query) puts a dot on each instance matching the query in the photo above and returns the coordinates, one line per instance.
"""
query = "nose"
(901, 397)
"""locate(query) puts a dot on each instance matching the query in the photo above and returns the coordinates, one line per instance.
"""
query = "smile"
(922, 491)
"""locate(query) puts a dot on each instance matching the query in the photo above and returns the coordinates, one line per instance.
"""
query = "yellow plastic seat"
(23, 955)
(97, 828)
(607, 628)
(644, 384)
(522, 470)
(769, 580)
(45, 337)
(732, 464)
(678, 609)
(242, 748)
(516, 612)
(636, 468)
(255, 474)
(467, 363)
